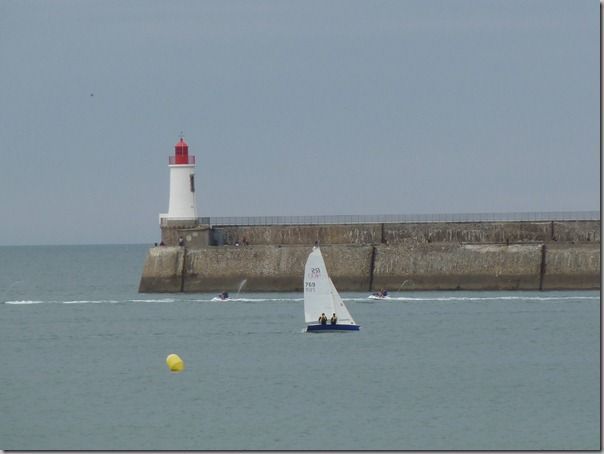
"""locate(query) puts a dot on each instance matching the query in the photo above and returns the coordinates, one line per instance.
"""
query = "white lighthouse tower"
(182, 205)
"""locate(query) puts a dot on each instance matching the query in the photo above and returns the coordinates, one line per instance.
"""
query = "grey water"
(83, 365)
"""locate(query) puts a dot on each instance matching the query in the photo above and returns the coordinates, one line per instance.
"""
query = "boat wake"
(247, 300)
(476, 298)
(364, 299)
(157, 300)
(67, 302)
(25, 302)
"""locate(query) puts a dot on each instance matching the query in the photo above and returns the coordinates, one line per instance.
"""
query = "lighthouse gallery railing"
(172, 160)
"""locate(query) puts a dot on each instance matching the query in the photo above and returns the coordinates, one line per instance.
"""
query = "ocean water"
(83, 365)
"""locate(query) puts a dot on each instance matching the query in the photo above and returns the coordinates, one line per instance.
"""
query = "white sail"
(320, 295)
(317, 288)
(340, 308)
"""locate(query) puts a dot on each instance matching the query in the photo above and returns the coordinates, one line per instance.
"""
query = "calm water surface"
(83, 365)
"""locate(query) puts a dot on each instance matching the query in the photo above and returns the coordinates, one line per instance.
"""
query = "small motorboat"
(381, 295)
(376, 297)
(224, 296)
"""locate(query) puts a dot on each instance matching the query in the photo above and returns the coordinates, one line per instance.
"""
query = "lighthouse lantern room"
(182, 205)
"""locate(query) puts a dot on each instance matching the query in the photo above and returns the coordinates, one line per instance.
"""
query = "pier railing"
(403, 218)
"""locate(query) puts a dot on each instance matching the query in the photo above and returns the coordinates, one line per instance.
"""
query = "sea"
(83, 365)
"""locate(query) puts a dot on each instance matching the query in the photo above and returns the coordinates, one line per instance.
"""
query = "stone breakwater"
(364, 257)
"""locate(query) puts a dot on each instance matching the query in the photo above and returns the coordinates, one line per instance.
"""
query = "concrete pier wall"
(572, 266)
(458, 266)
(272, 268)
(576, 231)
(163, 270)
(422, 232)
(421, 256)
(360, 234)
(468, 232)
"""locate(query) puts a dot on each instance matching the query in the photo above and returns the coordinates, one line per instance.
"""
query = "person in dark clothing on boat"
(381, 294)
(333, 319)
(323, 319)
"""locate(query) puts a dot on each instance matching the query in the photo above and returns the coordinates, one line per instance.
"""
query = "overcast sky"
(292, 108)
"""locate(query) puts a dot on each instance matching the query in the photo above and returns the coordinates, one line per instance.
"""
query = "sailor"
(384, 292)
(224, 295)
(323, 319)
(333, 319)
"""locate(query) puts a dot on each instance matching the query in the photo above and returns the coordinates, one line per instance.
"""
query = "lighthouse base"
(194, 235)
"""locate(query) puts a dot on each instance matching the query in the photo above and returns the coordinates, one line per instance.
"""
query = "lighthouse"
(182, 205)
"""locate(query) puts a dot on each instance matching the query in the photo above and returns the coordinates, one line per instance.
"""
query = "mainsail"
(317, 289)
(320, 295)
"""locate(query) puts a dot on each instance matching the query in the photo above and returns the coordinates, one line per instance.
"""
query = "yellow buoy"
(175, 363)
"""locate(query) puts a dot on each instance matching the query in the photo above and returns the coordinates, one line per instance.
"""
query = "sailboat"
(322, 299)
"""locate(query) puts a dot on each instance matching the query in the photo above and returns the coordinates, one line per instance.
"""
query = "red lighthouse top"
(181, 154)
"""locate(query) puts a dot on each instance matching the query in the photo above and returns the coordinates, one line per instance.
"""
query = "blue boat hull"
(331, 328)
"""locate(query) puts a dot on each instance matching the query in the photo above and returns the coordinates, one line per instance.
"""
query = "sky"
(296, 107)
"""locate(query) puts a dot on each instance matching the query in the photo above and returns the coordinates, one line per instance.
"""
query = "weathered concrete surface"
(421, 232)
(576, 231)
(572, 266)
(467, 232)
(362, 234)
(163, 270)
(272, 268)
(456, 266)
(422, 256)
(193, 236)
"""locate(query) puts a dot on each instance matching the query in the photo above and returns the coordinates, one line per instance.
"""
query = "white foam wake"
(24, 302)
(154, 300)
(247, 300)
(553, 298)
(481, 298)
